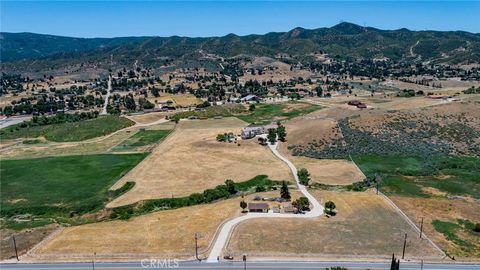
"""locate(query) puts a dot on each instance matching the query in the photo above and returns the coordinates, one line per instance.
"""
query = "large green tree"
(302, 204)
(303, 176)
(272, 136)
(281, 133)
(284, 192)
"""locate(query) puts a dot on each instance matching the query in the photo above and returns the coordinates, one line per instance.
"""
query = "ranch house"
(258, 207)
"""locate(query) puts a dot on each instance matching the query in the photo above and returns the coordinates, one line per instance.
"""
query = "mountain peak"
(349, 28)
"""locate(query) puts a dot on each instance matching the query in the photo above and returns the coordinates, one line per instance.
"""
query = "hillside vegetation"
(345, 40)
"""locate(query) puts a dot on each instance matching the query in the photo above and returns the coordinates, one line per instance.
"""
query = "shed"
(258, 207)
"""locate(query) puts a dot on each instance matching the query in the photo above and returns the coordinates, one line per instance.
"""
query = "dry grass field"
(191, 160)
(308, 128)
(445, 210)
(180, 100)
(365, 226)
(329, 171)
(148, 118)
(163, 233)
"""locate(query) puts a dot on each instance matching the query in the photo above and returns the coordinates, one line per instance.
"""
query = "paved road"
(109, 89)
(236, 265)
(227, 228)
(12, 121)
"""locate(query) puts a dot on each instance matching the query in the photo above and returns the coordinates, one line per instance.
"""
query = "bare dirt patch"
(25, 239)
(191, 160)
(364, 226)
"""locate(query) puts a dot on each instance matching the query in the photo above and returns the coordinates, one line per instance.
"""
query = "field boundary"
(404, 216)
(30, 253)
(145, 159)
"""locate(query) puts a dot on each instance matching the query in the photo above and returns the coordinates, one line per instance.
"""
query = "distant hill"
(344, 39)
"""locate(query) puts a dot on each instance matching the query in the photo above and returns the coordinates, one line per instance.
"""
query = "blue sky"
(214, 18)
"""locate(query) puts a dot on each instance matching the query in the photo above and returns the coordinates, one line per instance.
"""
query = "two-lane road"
(238, 265)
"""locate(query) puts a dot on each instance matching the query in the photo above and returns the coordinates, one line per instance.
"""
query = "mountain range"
(345, 40)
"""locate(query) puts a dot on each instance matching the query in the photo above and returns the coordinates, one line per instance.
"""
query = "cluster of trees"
(472, 90)
(225, 137)
(274, 133)
(302, 204)
(58, 119)
(410, 93)
(227, 190)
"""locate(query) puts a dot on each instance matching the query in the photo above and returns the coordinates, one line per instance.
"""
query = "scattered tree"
(243, 205)
(303, 176)
(281, 132)
(329, 207)
(272, 136)
(230, 186)
(284, 192)
(251, 107)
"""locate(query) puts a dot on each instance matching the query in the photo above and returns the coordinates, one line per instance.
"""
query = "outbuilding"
(258, 207)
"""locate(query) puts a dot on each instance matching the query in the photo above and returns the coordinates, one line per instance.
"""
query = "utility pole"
(93, 261)
(196, 247)
(404, 245)
(421, 228)
(15, 246)
(421, 264)
(244, 261)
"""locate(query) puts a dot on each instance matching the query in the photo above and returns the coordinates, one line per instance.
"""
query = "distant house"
(250, 98)
(357, 104)
(354, 103)
(258, 207)
(250, 132)
(444, 97)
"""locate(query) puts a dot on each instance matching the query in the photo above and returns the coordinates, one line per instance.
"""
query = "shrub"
(477, 227)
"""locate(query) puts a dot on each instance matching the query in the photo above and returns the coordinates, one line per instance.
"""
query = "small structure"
(357, 104)
(258, 207)
(288, 207)
(250, 98)
(439, 96)
(362, 106)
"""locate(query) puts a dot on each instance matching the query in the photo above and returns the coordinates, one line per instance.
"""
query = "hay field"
(98, 145)
(180, 100)
(365, 226)
(148, 118)
(164, 232)
(191, 160)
